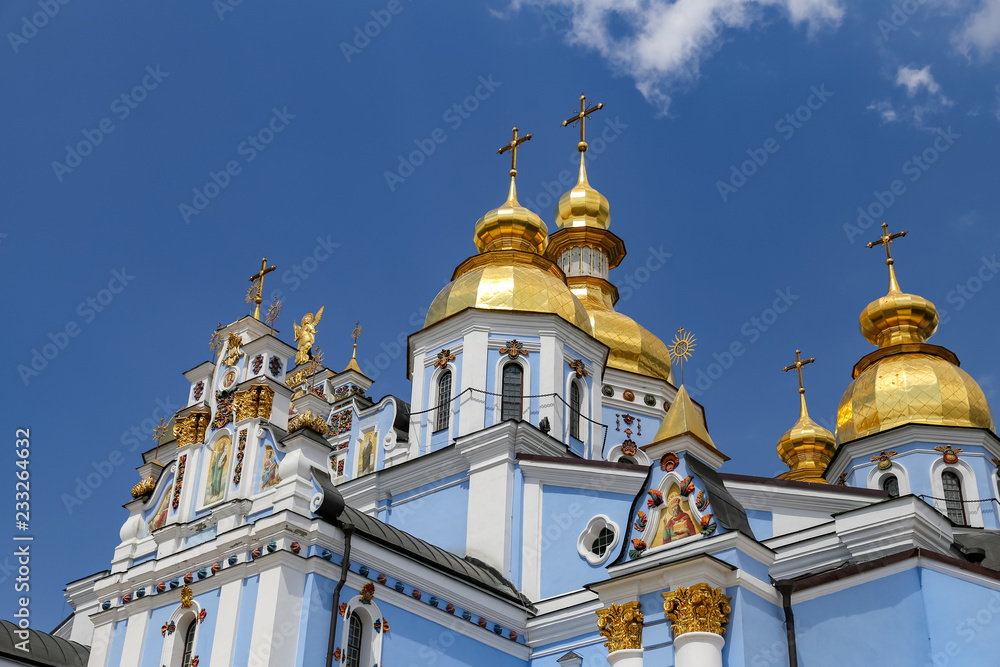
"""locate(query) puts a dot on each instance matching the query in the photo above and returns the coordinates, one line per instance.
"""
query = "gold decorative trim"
(621, 625)
(191, 429)
(254, 402)
(187, 597)
(235, 349)
(698, 608)
(308, 420)
(143, 488)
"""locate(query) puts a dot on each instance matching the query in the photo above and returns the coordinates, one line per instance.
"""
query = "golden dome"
(898, 317)
(911, 388)
(807, 448)
(509, 286)
(511, 226)
(583, 206)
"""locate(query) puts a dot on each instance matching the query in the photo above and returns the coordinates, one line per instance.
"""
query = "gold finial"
(681, 348)
(581, 117)
(258, 279)
(512, 147)
(158, 433)
(216, 341)
(886, 240)
(352, 365)
(799, 363)
(272, 313)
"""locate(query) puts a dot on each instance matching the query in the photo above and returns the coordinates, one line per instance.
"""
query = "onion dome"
(510, 272)
(906, 380)
(807, 448)
(583, 206)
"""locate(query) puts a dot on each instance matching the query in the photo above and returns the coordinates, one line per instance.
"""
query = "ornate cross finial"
(582, 118)
(681, 348)
(356, 334)
(512, 147)
(799, 363)
(886, 240)
(259, 280)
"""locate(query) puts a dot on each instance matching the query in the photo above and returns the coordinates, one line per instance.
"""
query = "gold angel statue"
(305, 334)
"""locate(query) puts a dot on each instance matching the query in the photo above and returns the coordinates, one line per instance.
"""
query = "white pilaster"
(102, 642)
(226, 623)
(531, 562)
(629, 657)
(277, 617)
(698, 649)
(473, 404)
(135, 637)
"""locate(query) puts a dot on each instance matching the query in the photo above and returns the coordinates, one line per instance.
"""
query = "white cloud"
(915, 79)
(981, 31)
(662, 43)
(885, 111)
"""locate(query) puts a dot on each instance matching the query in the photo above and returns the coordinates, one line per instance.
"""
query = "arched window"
(891, 486)
(444, 402)
(574, 410)
(354, 635)
(953, 497)
(626, 459)
(510, 407)
(189, 644)
(600, 545)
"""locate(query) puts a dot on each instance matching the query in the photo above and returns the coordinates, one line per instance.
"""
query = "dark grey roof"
(43, 649)
(728, 511)
(470, 570)
(978, 538)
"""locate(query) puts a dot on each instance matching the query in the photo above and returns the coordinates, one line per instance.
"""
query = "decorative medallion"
(141, 593)
(707, 525)
(884, 459)
(340, 422)
(367, 593)
(216, 568)
(258, 363)
(274, 366)
(638, 546)
(180, 481)
(308, 420)
(577, 366)
(513, 349)
(628, 395)
(199, 389)
(256, 553)
(399, 587)
(649, 400)
(444, 356)
(450, 608)
(467, 615)
(187, 597)
(640, 521)
(272, 546)
(698, 608)
(433, 601)
(234, 350)
(621, 625)
(126, 598)
(629, 447)
(701, 501)
(669, 461)
(512, 635)
(948, 453)
(189, 577)
(161, 587)
(363, 570)
(224, 408)
(497, 629)
(655, 498)
(326, 554)
(482, 622)
(608, 390)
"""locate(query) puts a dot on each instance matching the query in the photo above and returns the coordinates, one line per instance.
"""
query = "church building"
(549, 494)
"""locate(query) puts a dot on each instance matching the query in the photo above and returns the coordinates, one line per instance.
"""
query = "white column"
(698, 649)
(473, 404)
(531, 539)
(226, 623)
(488, 528)
(550, 381)
(135, 636)
(101, 644)
(276, 620)
(629, 657)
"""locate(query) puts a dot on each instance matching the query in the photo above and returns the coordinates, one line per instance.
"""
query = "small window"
(600, 545)
(574, 410)
(444, 402)
(354, 635)
(513, 378)
(626, 459)
(598, 540)
(891, 486)
(189, 643)
(953, 497)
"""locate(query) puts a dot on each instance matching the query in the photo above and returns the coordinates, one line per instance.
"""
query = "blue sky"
(154, 153)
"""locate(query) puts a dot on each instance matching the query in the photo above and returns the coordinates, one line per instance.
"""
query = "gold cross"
(582, 118)
(886, 240)
(799, 363)
(264, 270)
(512, 147)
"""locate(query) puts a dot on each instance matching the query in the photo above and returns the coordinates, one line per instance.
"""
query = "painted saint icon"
(160, 516)
(218, 465)
(366, 454)
(676, 521)
(269, 469)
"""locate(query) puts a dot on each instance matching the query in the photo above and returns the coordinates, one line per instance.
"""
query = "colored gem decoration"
(512, 635)
(367, 593)
(272, 547)
(189, 577)
(256, 553)
(497, 629)
(202, 573)
(638, 546)
(707, 525)
(948, 453)
(141, 593)
(433, 601)
(621, 625)
(216, 568)
(655, 498)
(399, 587)
(577, 366)
(126, 598)
(443, 357)
(224, 410)
(608, 390)
(295, 548)
(640, 521)
(628, 395)
(701, 501)
(467, 615)
(238, 471)
(884, 459)
(180, 481)
(340, 422)
(629, 447)
(234, 559)
(381, 579)
(275, 366)
(258, 363)
(450, 608)
(687, 485)
(106, 605)
(174, 583)
(160, 587)
(649, 400)
(199, 389)
(513, 349)
(202, 615)
(363, 570)
(326, 554)
(416, 594)
(482, 622)
(668, 462)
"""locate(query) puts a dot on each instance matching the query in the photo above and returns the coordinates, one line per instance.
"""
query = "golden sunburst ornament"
(681, 348)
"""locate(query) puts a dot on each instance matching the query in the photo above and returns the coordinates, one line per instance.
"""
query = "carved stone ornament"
(621, 625)
(254, 402)
(191, 429)
(513, 349)
(234, 351)
(698, 608)
(578, 368)
(443, 357)
(186, 597)
(143, 488)
(308, 420)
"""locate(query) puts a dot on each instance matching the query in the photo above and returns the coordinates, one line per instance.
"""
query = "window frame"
(442, 404)
(590, 534)
(504, 395)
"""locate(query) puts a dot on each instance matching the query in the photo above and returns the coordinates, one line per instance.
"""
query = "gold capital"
(698, 608)
(621, 625)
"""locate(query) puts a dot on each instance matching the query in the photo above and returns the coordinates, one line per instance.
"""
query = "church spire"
(583, 206)
(807, 448)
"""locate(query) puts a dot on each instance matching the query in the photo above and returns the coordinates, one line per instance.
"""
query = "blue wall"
(440, 517)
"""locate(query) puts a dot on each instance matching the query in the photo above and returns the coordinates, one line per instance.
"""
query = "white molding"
(640, 456)
(371, 640)
(590, 533)
(897, 470)
(566, 473)
(970, 489)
